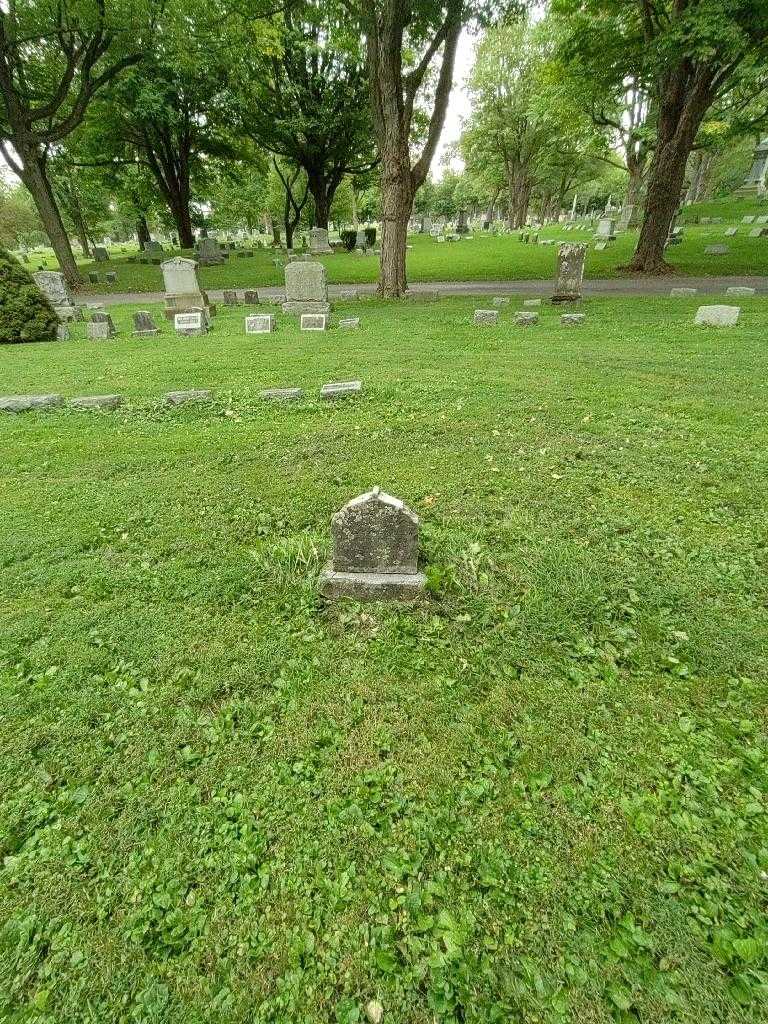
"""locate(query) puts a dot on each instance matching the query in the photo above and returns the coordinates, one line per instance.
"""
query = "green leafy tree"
(305, 98)
(25, 313)
(690, 54)
(55, 57)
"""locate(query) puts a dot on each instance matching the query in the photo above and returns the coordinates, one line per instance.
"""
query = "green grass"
(536, 796)
(732, 208)
(482, 258)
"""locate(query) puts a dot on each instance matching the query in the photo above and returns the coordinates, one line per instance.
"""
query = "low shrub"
(25, 313)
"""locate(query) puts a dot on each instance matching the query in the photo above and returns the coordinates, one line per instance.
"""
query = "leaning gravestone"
(143, 324)
(318, 241)
(570, 271)
(718, 316)
(53, 286)
(182, 289)
(375, 551)
(306, 288)
(100, 254)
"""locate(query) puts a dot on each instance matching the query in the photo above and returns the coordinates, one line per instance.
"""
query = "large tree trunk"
(322, 195)
(142, 231)
(179, 207)
(684, 100)
(36, 181)
(396, 206)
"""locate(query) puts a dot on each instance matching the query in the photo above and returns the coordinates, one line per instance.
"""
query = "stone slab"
(314, 322)
(572, 319)
(372, 586)
(341, 389)
(716, 250)
(531, 302)
(741, 292)
(25, 403)
(500, 300)
(281, 394)
(190, 325)
(260, 323)
(717, 316)
(98, 330)
(526, 319)
(486, 317)
(350, 323)
(96, 402)
(679, 293)
(180, 397)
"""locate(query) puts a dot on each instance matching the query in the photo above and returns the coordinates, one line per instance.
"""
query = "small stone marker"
(110, 276)
(318, 240)
(314, 322)
(749, 219)
(143, 324)
(349, 294)
(93, 277)
(755, 232)
(230, 297)
(375, 551)
(180, 397)
(716, 250)
(717, 316)
(531, 302)
(570, 271)
(260, 323)
(62, 332)
(281, 394)
(190, 324)
(350, 323)
(572, 319)
(486, 317)
(762, 219)
(100, 254)
(500, 300)
(730, 232)
(600, 246)
(526, 319)
(679, 293)
(96, 402)
(341, 389)
(251, 297)
(741, 292)
(25, 403)
(98, 330)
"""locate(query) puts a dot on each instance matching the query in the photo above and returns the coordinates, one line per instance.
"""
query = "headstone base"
(372, 586)
(298, 307)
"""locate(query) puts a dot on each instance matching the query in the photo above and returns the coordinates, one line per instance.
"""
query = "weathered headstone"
(348, 294)
(314, 322)
(26, 403)
(755, 232)
(606, 229)
(110, 276)
(526, 319)
(531, 302)
(318, 241)
(716, 250)
(741, 292)
(361, 239)
(98, 330)
(749, 219)
(62, 332)
(230, 297)
(52, 284)
(572, 319)
(762, 219)
(260, 323)
(679, 293)
(93, 277)
(209, 253)
(601, 246)
(181, 397)
(718, 316)
(143, 324)
(182, 289)
(251, 297)
(100, 254)
(306, 288)
(375, 551)
(281, 394)
(500, 300)
(486, 317)
(99, 316)
(570, 271)
(96, 402)
(350, 323)
(191, 324)
(730, 232)
(341, 389)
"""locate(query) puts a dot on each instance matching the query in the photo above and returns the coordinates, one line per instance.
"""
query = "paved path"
(605, 287)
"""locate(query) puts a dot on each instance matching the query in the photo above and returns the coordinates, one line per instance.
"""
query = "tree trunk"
(142, 231)
(183, 222)
(396, 206)
(322, 196)
(684, 100)
(37, 184)
(355, 214)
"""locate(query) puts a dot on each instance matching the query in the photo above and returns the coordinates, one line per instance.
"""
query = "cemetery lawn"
(482, 257)
(539, 795)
